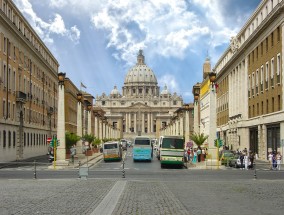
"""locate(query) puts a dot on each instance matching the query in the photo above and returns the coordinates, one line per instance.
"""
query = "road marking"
(109, 202)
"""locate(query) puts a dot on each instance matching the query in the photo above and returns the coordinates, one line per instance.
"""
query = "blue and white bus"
(142, 149)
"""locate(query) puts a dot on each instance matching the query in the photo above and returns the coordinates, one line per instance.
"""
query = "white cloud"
(170, 81)
(46, 29)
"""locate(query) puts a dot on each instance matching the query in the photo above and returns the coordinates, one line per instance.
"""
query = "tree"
(199, 139)
(89, 138)
(71, 139)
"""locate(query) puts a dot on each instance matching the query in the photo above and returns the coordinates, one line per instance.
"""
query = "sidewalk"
(81, 160)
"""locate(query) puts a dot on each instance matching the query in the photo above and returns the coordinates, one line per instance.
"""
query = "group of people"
(246, 159)
(274, 160)
(195, 155)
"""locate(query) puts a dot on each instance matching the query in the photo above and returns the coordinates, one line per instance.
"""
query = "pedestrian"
(251, 158)
(194, 156)
(246, 161)
(278, 158)
(188, 154)
(199, 154)
(274, 161)
(185, 156)
(73, 152)
(270, 156)
(242, 160)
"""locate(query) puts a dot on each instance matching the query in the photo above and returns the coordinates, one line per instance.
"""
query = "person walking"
(242, 160)
(73, 153)
(270, 156)
(251, 159)
(194, 156)
(199, 154)
(278, 158)
(188, 154)
(246, 161)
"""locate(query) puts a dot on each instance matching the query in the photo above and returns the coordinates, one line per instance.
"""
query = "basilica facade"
(141, 109)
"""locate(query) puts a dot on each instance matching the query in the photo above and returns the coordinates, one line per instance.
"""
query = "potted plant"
(95, 144)
(199, 139)
(70, 139)
(89, 138)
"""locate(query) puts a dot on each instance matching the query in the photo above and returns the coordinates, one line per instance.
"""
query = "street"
(146, 189)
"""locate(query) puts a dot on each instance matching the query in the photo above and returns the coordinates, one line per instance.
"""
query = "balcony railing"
(21, 97)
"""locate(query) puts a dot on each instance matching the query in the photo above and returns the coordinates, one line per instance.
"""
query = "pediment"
(139, 105)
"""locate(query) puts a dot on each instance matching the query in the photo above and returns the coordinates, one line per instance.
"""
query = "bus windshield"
(110, 146)
(144, 142)
(172, 143)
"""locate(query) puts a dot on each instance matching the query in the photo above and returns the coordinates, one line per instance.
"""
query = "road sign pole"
(54, 152)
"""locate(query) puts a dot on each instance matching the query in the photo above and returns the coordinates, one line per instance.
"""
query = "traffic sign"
(49, 139)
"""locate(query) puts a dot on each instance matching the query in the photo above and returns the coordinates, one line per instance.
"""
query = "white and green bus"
(171, 150)
(112, 151)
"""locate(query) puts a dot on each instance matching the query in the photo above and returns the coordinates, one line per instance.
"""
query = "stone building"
(250, 112)
(141, 109)
(28, 88)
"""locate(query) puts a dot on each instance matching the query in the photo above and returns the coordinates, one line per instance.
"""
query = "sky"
(96, 42)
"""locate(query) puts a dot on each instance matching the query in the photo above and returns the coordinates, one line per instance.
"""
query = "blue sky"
(96, 41)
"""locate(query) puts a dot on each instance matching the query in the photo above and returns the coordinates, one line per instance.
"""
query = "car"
(236, 162)
(226, 157)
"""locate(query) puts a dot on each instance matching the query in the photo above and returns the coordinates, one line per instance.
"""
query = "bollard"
(123, 171)
(255, 177)
(34, 169)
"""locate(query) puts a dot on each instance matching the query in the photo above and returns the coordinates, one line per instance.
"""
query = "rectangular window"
(272, 41)
(278, 33)
(279, 103)
(278, 68)
(266, 75)
(272, 72)
(272, 105)
(261, 78)
(261, 48)
(266, 43)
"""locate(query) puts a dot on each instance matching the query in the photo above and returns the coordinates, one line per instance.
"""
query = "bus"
(171, 150)
(112, 151)
(142, 149)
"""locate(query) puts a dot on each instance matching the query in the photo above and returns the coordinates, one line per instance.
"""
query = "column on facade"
(61, 149)
(182, 125)
(282, 81)
(126, 123)
(186, 127)
(100, 136)
(195, 118)
(143, 122)
(89, 114)
(212, 123)
(263, 154)
(148, 122)
(151, 122)
(79, 127)
(96, 126)
(135, 122)
(129, 121)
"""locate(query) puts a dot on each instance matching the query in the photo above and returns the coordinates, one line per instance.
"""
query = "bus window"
(142, 142)
(171, 143)
(110, 146)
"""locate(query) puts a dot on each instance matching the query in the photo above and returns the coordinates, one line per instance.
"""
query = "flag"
(82, 85)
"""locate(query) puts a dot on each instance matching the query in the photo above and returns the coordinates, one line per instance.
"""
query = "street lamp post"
(61, 149)
(213, 151)
(196, 93)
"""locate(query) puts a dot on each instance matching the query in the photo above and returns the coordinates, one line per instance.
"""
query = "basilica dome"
(140, 73)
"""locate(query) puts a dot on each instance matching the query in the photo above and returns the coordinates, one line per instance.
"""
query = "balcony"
(21, 97)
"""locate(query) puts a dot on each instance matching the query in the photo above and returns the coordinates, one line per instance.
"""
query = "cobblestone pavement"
(142, 197)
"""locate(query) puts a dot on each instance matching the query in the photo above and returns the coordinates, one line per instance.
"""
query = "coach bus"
(171, 150)
(142, 149)
(112, 151)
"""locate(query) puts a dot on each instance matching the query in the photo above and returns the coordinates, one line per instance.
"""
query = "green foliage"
(199, 139)
(96, 142)
(89, 138)
(71, 139)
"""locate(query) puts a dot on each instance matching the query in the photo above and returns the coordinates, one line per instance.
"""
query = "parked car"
(226, 157)
(236, 162)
